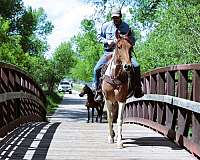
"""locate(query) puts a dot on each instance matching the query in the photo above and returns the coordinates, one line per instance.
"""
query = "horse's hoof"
(110, 140)
(120, 145)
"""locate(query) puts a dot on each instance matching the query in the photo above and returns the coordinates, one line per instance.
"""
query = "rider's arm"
(132, 37)
(101, 36)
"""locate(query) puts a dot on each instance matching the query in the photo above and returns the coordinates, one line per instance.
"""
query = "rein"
(118, 76)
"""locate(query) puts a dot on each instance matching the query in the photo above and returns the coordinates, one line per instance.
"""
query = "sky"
(65, 15)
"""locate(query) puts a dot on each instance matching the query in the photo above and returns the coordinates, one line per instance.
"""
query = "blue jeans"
(97, 69)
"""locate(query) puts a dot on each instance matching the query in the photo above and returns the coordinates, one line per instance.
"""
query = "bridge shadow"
(69, 115)
(71, 109)
(29, 141)
(150, 141)
(73, 101)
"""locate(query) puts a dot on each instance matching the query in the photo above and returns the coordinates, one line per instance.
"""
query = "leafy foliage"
(168, 32)
(10, 49)
(31, 25)
(59, 66)
(88, 51)
(175, 37)
(23, 42)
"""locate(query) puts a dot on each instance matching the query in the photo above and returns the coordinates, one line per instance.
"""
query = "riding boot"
(138, 87)
(98, 95)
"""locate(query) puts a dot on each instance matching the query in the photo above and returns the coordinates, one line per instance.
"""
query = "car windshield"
(65, 83)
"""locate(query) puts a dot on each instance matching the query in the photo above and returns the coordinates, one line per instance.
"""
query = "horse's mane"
(90, 92)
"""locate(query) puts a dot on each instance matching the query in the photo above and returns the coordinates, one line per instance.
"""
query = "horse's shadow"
(149, 141)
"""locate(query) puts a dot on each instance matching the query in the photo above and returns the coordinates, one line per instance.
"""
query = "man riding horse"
(107, 37)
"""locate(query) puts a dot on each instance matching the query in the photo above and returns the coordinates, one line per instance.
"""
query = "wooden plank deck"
(89, 141)
(69, 137)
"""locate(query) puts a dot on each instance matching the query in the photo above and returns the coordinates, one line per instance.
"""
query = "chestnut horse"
(115, 84)
(90, 103)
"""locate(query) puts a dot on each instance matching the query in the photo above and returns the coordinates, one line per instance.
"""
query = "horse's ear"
(117, 34)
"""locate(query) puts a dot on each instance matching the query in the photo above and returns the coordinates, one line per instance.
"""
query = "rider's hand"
(111, 43)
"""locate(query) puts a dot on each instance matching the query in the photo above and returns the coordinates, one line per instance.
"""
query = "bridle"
(118, 75)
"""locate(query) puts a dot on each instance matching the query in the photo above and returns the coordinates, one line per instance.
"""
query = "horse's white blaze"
(111, 66)
(108, 70)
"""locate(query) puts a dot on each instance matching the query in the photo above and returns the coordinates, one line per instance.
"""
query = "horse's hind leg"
(110, 120)
(88, 109)
(101, 111)
(92, 114)
(98, 114)
(119, 124)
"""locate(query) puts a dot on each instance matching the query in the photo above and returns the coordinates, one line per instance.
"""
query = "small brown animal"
(91, 103)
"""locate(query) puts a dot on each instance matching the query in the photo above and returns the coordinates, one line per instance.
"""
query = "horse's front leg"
(119, 124)
(110, 121)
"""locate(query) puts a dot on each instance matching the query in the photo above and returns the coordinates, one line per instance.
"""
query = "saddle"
(131, 84)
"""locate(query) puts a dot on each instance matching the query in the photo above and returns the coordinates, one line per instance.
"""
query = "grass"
(77, 87)
(53, 100)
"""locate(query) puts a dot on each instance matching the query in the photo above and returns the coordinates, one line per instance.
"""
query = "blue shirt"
(108, 30)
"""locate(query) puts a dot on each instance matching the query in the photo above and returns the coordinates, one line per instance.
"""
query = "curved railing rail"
(21, 99)
(170, 105)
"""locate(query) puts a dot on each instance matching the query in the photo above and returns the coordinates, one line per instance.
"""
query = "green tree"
(88, 51)
(31, 25)
(34, 27)
(174, 35)
(59, 65)
(10, 48)
(172, 30)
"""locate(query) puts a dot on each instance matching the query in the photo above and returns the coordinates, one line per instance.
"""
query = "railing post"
(11, 86)
(146, 89)
(135, 109)
(161, 91)
(5, 88)
(18, 89)
(196, 97)
(196, 85)
(183, 126)
(152, 108)
(2, 104)
(24, 108)
(171, 112)
(146, 85)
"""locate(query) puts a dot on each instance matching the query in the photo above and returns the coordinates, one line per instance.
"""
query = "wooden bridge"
(162, 125)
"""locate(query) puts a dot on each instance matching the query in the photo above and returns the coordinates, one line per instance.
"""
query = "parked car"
(65, 86)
